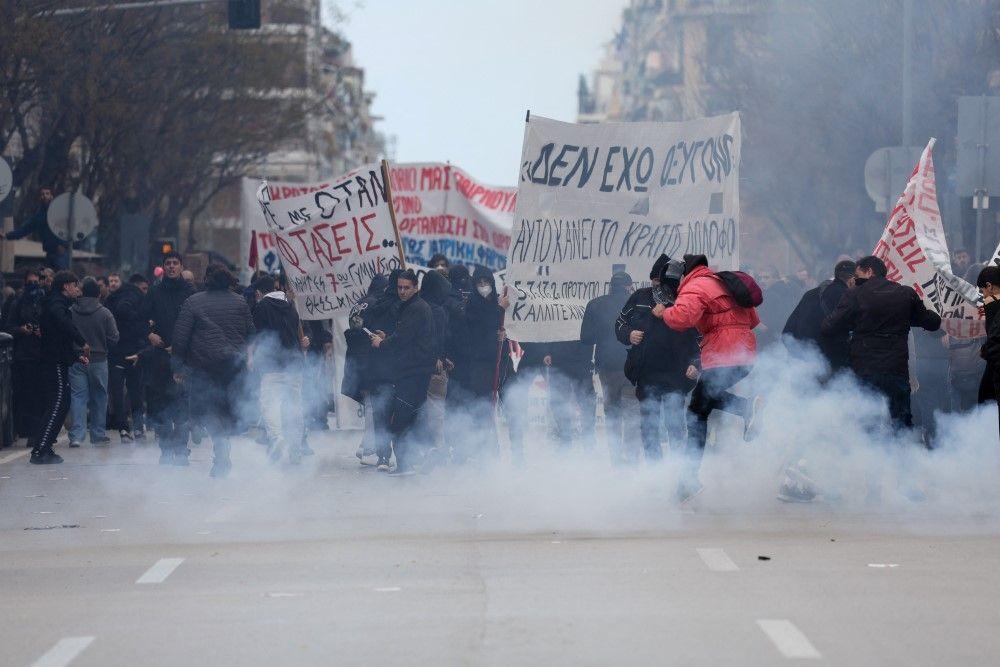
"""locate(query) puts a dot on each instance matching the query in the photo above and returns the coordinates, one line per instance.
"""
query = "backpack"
(742, 287)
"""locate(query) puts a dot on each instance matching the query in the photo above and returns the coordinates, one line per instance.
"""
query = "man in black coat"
(127, 304)
(361, 378)
(436, 291)
(411, 354)
(661, 362)
(21, 322)
(61, 346)
(880, 313)
(806, 321)
(168, 410)
(598, 331)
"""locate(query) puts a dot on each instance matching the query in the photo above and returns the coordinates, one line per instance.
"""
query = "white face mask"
(484, 290)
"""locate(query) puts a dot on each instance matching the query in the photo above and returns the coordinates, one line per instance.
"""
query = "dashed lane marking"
(160, 571)
(717, 560)
(788, 639)
(12, 457)
(64, 652)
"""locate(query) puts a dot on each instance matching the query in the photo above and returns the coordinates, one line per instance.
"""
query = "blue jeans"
(89, 394)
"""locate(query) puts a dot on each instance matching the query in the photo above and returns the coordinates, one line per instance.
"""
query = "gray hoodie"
(97, 325)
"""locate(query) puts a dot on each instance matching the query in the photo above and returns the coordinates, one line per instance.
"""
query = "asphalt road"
(111, 559)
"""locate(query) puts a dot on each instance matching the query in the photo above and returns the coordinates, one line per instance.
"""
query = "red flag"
(254, 258)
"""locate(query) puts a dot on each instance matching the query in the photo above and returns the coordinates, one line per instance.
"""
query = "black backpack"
(742, 287)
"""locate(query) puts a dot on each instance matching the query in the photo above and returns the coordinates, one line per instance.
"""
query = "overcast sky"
(453, 79)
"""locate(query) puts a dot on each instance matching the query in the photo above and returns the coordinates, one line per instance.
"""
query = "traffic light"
(244, 14)
(165, 245)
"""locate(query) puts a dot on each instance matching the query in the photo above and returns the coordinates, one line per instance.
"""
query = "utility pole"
(907, 73)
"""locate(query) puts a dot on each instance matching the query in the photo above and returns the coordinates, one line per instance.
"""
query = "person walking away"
(880, 314)
(805, 324)
(89, 381)
(435, 290)
(989, 286)
(571, 391)
(21, 322)
(62, 344)
(660, 362)
(168, 406)
(56, 250)
(620, 425)
(209, 355)
(127, 304)
(728, 351)
(277, 354)
(411, 352)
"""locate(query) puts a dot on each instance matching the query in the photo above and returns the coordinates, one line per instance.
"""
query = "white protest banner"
(441, 209)
(915, 251)
(335, 239)
(598, 198)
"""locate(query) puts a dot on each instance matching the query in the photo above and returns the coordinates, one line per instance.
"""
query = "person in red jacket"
(728, 350)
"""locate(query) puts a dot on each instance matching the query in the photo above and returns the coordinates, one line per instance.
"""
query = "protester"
(88, 380)
(440, 264)
(209, 355)
(362, 373)
(571, 391)
(880, 313)
(435, 290)
(21, 321)
(659, 360)
(168, 408)
(382, 318)
(728, 350)
(61, 345)
(126, 386)
(114, 282)
(780, 297)
(104, 287)
(56, 250)
(411, 351)
(277, 354)
(989, 286)
(805, 324)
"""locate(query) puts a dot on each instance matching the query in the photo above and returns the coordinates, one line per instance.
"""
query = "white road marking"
(717, 560)
(110, 530)
(14, 456)
(388, 589)
(63, 653)
(160, 571)
(883, 564)
(788, 639)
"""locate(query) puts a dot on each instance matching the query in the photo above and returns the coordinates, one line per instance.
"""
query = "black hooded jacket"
(806, 322)
(410, 349)
(598, 328)
(663, 356)
(483, 319)
(880, 313)
(26, 308)
(359, 376)
(277, 332)
(127, 304)
(61, 340)
(436, 291)
(164, 305)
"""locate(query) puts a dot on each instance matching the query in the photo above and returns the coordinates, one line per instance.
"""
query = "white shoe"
(751, 427)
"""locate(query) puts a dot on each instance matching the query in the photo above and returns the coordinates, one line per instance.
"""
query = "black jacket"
(61, 340)
(127, 304)
(212, 330)
(880, 313)
(360, 374)
(277, 333)
(806, 322)
(991, 348)
(164, 304)
(598, 328)
(483, 320)
(26, 308)
(662, 358)
(410, 348)
(436, 291)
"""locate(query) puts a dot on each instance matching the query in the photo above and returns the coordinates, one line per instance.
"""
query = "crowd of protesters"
(429, 356)
(167, 355)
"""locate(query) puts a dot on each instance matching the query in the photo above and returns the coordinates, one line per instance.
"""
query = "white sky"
(454, 78)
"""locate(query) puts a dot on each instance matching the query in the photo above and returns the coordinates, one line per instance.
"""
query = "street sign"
(84, 216)
(978, 169)
(886, 172)
(6, 179)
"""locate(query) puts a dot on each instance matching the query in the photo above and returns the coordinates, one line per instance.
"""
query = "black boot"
(44, 457)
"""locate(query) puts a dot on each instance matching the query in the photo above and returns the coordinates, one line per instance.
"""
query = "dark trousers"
(214, 393)
(989, 386)
(54, 378)
(408, 397)
(896, 389)
(660, 404)
(29, 403)
(168, 406)
(126, 391)
(711, 392)
(566, 392)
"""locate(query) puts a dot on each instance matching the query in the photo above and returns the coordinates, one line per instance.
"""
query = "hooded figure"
(657, 357)
(436, 291)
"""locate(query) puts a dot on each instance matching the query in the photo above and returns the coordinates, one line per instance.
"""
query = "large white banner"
(598, 198)
(915, 251)
(441, 209)
(334, 240)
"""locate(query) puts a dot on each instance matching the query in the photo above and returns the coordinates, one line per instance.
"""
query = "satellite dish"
(6, 179)
(84, 216)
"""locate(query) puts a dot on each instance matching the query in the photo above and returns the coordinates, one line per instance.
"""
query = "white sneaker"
(751, 427)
